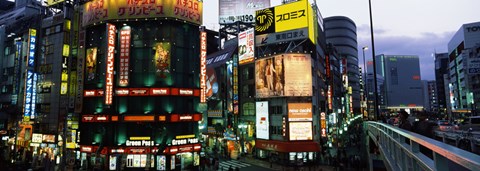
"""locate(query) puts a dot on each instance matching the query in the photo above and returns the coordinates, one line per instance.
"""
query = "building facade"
(430, 97)
(462, 67)
(342, 33)
(141, 85)
(402, 83)
(441, 80)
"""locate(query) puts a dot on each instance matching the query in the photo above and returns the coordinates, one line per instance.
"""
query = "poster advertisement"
(300, 131)
(112, 163)
(262, 120)
(212, 84)
(91, 63)
(161, 162)
(162, 59)
(246, 46)
(299, 112)
(283, 75)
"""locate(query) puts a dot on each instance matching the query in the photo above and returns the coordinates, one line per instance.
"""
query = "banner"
(300, 131)
(299, 111)
(246, 47)
(231, 11)
(96, 11)
(124, 55)
(111, 34)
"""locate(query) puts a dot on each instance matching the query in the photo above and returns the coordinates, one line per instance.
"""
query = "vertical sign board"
(323, 124)
(31, 52)
(111, 29)
(262, 120)
(34, 96)
(80, 71)
(64, 78)
(246, 46)
(27, 111)
(235, 84)
(203, 66)
(28, 96)
(124, 55)
(16, 72)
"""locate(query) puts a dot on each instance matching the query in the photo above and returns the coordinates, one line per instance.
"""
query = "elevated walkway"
(402, 150)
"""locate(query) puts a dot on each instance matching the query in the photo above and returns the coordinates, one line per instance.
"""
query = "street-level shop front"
(288, 153)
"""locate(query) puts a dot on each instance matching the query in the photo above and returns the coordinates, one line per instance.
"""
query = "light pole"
(376, 105)
(365, 93)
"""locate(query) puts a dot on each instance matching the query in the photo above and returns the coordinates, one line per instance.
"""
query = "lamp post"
(365, 93)
(376, 105)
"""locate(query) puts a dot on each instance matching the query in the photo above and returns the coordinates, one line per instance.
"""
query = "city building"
(442, 80)
(19, 32)
(143, 77)
(342, 33)
(290, 85)
(463, 66)
(430, 97)
(402, 87)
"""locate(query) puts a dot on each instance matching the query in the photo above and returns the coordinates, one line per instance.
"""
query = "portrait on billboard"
(91, 63)
(162, 59)
(270, 77)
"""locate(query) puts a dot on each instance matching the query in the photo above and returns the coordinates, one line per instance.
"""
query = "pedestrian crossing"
(224, 165)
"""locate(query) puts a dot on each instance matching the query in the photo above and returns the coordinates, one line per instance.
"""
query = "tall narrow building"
(441, 80)
(342, 33)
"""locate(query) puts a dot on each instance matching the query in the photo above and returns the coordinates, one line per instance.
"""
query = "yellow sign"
(102, 10)
(53, 2)
(184, 136)
(139, 138)
(291, 16)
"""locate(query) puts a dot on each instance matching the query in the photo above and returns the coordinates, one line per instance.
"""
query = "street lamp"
(365, 93)
(377, 116)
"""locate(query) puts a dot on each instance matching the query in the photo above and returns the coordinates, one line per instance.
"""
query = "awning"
(221, 57)
(288, 146)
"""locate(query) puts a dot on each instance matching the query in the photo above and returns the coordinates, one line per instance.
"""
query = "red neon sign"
(110, 59)
(203, 65)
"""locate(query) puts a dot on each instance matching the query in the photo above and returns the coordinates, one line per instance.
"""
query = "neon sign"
(110, 59)
(203, 65)
(124, 55)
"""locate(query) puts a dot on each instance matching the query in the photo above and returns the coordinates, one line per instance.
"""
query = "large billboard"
(101, 10)
(287, 17)
(283, 75)
(300, 131)
(246, 51)
(262, 123)
(299, 111)
(162, 59)
(231, 11)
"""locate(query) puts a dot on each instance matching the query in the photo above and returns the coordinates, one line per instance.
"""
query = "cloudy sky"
(403, 27)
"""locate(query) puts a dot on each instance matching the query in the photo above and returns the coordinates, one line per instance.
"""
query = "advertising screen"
(231, 11)
(299, 112)
(246, 46)
(283, 75)
(162, 59)
(262, 120)
(300, 131)
(101, 10)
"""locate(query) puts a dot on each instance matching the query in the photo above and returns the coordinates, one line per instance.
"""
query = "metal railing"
(405, 150)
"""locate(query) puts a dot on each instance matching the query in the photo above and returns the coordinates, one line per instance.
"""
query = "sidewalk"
(276, 166)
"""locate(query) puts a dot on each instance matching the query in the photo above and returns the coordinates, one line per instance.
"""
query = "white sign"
(184, 141)
(246, 51)
(262, 123)
(474, 66)
(300, 131)
(231, 11)
(36, 138)
(139, 143)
